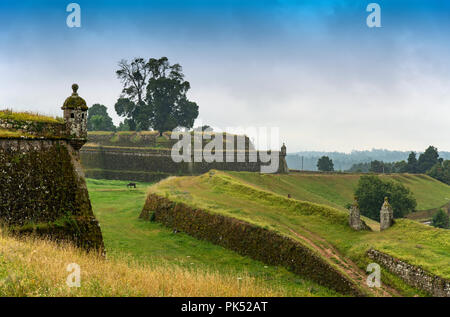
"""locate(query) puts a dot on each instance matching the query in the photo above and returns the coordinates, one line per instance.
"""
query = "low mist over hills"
(344, 161)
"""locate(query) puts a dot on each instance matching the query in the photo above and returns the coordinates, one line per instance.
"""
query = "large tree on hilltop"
(428, 159)
(154, 95)
(166, 96)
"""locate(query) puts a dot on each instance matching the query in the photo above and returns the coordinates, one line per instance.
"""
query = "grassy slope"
(336, 190)
(117, 209)
(223, 193)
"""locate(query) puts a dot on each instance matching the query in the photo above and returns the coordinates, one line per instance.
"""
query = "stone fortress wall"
(42, 188)
(146, 156)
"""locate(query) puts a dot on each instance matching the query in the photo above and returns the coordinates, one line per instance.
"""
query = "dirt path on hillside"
(345, 264)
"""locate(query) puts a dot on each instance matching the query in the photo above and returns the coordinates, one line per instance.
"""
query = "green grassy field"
(227, 194)
(117, 209)
(336, 190)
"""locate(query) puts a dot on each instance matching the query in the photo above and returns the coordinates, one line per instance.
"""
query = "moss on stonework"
(14, 134)
(81, 231)
(75, 102)
(42, 193)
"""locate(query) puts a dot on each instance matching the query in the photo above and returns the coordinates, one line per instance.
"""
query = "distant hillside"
(343, 161)
(337, 190)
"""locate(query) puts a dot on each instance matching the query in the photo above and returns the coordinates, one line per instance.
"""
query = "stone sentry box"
(75, 117)
(386, 215)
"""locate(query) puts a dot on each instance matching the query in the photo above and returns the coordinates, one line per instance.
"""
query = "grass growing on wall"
(117, 209)
(27, 116)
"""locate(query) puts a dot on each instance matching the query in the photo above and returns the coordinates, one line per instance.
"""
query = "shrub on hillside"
(441, 220)
(371, 192)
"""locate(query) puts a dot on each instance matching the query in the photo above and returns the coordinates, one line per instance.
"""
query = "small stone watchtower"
(354, 217)
(386, 215)
(283, 167)
(283, 150)
(75, 117)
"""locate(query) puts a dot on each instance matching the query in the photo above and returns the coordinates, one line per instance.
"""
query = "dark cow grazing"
(131, 185)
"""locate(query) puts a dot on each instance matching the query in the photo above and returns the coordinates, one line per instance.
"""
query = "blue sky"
(312, 68)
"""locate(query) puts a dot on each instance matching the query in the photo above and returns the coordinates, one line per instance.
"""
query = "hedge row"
(248, 240)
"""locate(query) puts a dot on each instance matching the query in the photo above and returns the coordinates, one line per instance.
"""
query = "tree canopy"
(427, 159)
(155, 95)
(98, 119)
(325, 164)
(412, 163)
(441, 171)
(370, 194)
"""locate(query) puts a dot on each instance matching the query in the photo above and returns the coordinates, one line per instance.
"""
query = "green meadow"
(336, 190)
(117, 208)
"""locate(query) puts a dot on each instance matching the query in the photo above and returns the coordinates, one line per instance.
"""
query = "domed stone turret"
(75, 117)
(75, 101)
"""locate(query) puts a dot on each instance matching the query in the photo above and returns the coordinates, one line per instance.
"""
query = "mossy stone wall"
(413, 275)
(249, 240)
(42, 190)
(47, 130)
(149, 139)
(154, 161)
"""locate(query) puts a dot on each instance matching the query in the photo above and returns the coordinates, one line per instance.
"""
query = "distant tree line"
(307, 160)
(428, 163)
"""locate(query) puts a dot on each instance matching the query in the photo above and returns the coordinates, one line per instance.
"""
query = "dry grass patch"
(32, 267)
